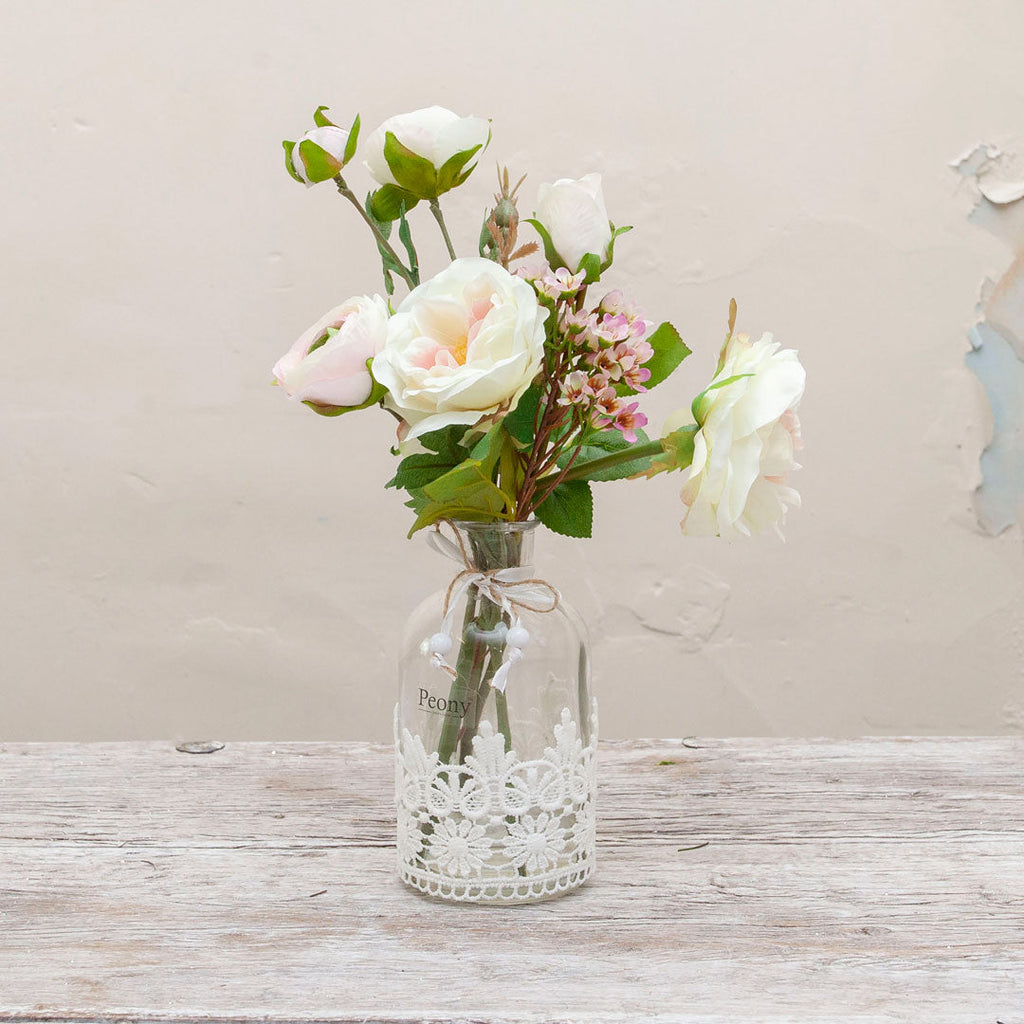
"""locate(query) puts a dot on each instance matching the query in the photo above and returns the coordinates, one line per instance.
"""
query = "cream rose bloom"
(461, 346)
(334, 373)
(575, 217)
(434, 133)
(745, 445)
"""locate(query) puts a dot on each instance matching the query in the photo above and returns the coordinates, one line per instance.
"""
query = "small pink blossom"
(574, 389)
(642, 350)
(577, 321)
(637, 377)
(628, 421)
(611, 329)
(639, 328)
(604, 361)
(560, 284)
(606, 405)
(596, 383)
(617, 304)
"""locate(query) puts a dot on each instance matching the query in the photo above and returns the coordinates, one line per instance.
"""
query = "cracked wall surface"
(996, 176)
(187, 555)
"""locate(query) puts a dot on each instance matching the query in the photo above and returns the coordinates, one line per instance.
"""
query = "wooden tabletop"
(737, 881)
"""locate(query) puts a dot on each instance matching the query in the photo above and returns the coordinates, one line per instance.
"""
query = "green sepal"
(669, 351)
(451, 174)
(591, 264)
(519, 422)
(550, 252)
(319, 164)
(412, 172)
(611, 244)
(289, 164)
(603, 443)
(568, 509)
(695, 406)
(388, 202)
(352, 142)
(320, 121)
(677, 452)
(377, 392)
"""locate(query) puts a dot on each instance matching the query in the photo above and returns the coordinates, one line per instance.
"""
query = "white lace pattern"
(497, 829)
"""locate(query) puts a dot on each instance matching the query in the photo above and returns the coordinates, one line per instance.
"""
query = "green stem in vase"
(461, 684)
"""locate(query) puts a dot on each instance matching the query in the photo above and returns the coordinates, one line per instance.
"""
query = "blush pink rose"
(327, 365)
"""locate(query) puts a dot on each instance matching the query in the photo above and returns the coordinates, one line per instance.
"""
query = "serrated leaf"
(387, 203)
(319, 164)
(669, 352)
(352, 142)
(568, 509)
(519, 422)
(412, 172)
(597, 446)
(444, 453)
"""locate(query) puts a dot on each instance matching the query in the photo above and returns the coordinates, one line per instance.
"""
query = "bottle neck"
(494, 546)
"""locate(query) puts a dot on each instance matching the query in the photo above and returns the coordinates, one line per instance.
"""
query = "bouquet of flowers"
(515, 390)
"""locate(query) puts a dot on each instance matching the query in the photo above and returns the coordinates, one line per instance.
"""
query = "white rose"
(744, 447)
(461, 346)
(434, 133)
(574, 216)
(334, 373)
(332, 140)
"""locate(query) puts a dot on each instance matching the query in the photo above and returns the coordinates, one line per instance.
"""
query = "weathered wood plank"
(876, 880)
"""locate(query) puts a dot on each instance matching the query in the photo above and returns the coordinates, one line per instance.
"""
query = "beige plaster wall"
(187, 554)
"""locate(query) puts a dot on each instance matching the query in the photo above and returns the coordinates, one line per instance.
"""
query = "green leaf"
(444, 453)
(352, 142)
(388, 202)
(450, 173)
(568, 509)
(519, 422)
(412, 172)
(405, 236)
(319, 164)
(445, 439)
(320, 121)
(597, 446)
(377, 392)
(289, 148)
(669, 352)
(550, 252)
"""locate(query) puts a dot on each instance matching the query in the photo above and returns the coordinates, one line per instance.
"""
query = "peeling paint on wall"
(996, 175)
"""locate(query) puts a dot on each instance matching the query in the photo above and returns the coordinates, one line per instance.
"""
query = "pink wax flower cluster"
(607, 350)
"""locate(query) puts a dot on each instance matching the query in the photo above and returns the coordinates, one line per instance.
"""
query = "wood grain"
(748, 880)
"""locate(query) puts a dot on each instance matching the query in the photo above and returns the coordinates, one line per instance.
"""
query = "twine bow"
(510, 589)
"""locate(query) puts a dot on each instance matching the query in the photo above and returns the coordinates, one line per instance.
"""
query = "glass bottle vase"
(495, 729)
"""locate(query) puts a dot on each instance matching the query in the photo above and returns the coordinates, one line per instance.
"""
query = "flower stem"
(384, 244)
(636, 451)
(435, 209)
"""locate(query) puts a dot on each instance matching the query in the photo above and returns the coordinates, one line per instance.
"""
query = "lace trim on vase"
(496, 829)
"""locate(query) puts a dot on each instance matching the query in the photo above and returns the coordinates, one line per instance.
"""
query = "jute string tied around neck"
(511, 589)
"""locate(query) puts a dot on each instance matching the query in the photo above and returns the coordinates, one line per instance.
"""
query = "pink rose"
(327, 365)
